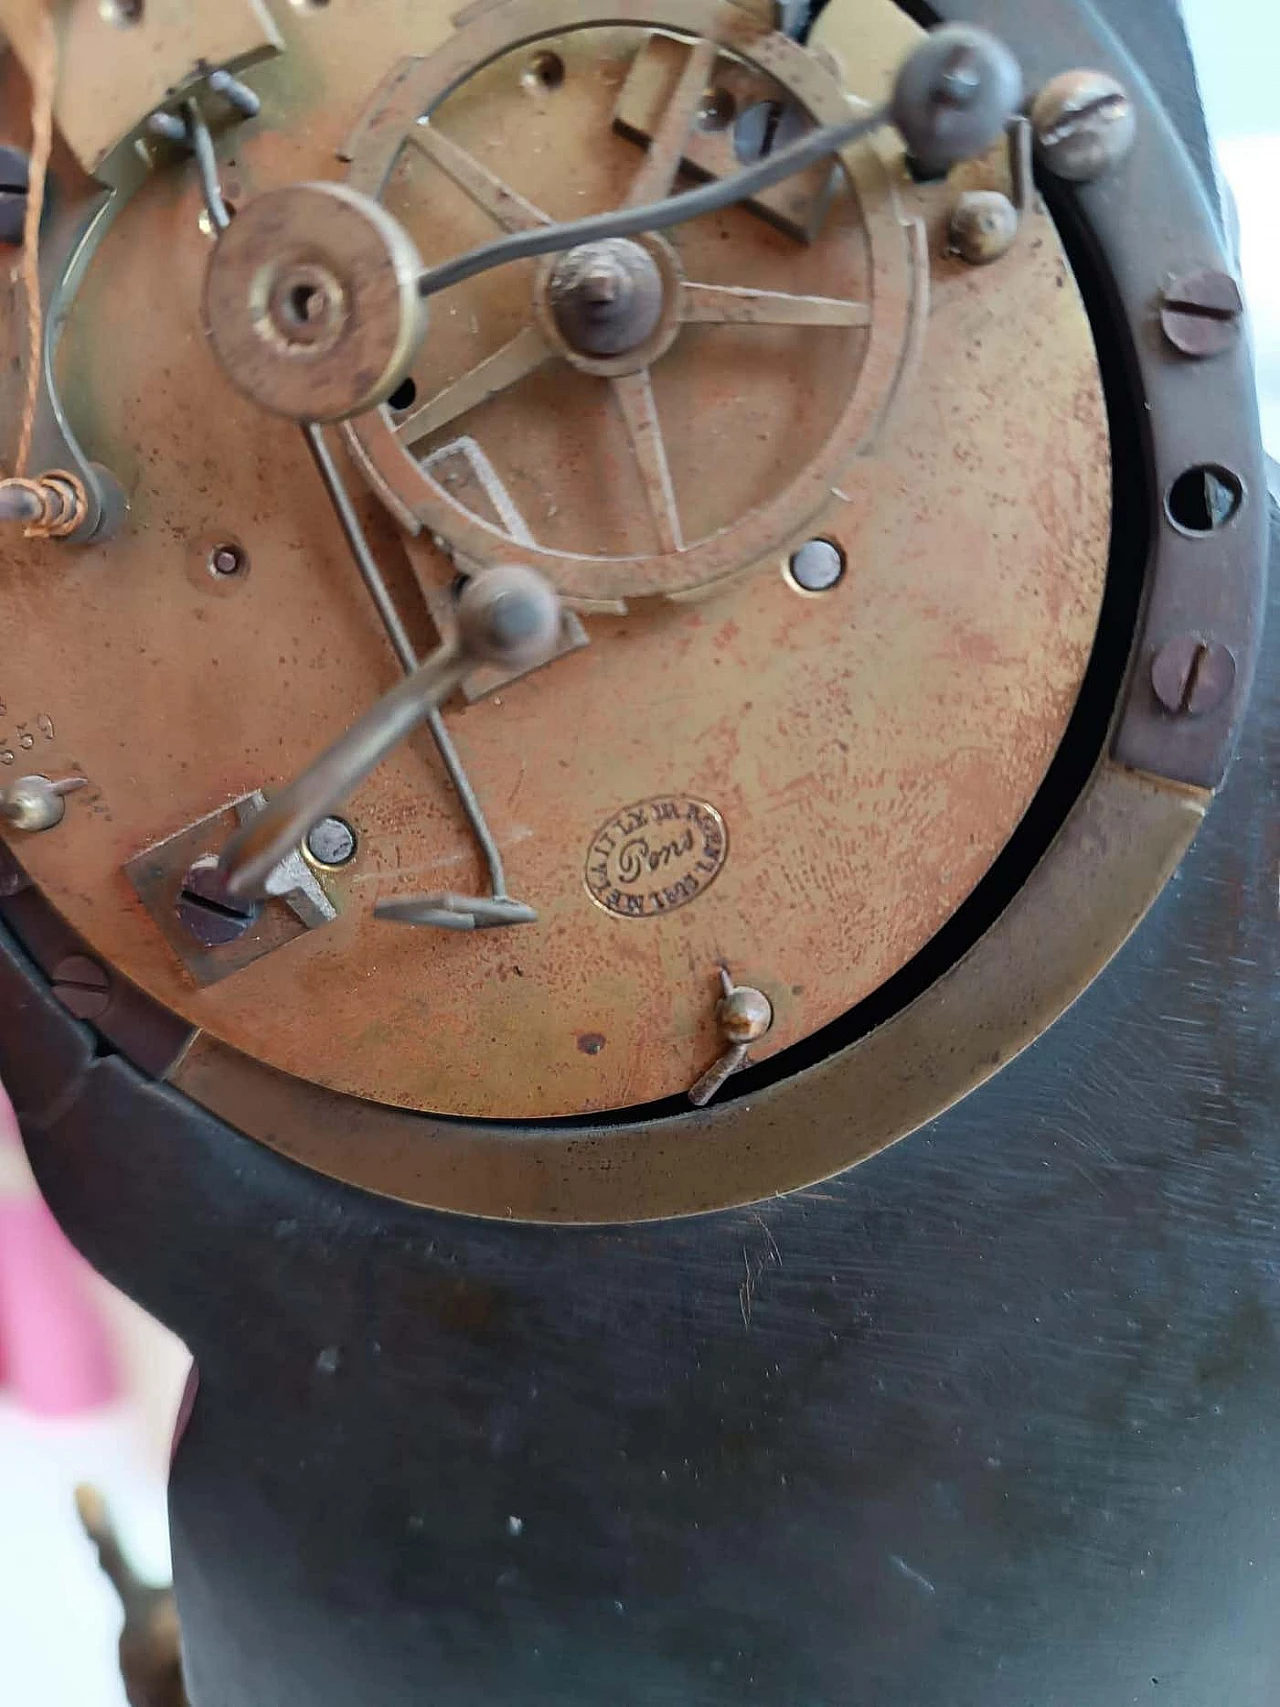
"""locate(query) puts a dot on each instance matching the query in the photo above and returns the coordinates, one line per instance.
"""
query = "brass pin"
(34, 803)
(745, 1016)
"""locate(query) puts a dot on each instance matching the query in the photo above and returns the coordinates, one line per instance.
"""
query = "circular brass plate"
(870, 751)
(312, 302)
(1118, 849)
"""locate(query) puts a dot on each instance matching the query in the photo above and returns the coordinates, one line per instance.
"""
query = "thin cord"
(44, 80)
(675, 210)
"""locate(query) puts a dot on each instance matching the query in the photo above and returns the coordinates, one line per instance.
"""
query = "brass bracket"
(115, 69)
(297, 901)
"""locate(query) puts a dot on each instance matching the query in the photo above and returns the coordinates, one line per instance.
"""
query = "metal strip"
(1146, 223)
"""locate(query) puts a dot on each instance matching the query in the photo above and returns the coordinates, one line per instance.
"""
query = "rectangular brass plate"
(157, 874)
(797, 207)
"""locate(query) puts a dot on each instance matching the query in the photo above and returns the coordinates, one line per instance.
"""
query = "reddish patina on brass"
(870, 750)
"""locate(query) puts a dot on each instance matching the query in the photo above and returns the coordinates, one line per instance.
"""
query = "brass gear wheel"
(539, 67)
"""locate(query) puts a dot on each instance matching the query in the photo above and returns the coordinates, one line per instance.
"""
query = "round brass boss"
(312, 304)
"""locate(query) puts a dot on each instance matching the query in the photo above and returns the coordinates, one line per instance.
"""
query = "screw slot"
(1192, 676)
(544, 73)
(205, 910)
(1204, 499)
(817, 567)
(1203, 313)
(1085, 125)
(82, 987)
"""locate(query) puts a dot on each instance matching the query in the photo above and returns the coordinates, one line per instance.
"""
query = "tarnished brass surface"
(870, 750)
(1120, 847)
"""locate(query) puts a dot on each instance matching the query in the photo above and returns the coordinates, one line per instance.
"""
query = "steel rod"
(257, 847)
(398, 635)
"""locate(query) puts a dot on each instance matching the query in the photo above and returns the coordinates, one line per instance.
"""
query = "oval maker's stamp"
(655, 856)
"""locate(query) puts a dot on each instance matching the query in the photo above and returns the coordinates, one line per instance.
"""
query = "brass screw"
(745, 1016)
(1192, 676)
(984, 227)
(1085, 125)
(1202, 314)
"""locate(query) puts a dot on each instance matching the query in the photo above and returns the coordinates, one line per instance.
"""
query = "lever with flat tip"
(455, 912)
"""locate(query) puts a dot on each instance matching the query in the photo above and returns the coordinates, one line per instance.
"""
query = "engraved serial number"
(656, 856)
(19, 738)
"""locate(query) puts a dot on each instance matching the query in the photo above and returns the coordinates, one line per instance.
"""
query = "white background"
(1237, 46)
(58, 1621)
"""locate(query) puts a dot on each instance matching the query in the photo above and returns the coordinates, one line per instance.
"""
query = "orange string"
(44, 79)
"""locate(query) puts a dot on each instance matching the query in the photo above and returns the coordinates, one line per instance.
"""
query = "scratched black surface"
(993, 1421)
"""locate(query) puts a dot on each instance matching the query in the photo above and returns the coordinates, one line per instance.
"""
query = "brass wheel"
(460, 116)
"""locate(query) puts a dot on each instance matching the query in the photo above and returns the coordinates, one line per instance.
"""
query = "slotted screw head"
(82, 987)
(1085, 125)
(1192, 676)
(207, 913)
(14, 178)
(1202, 314)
